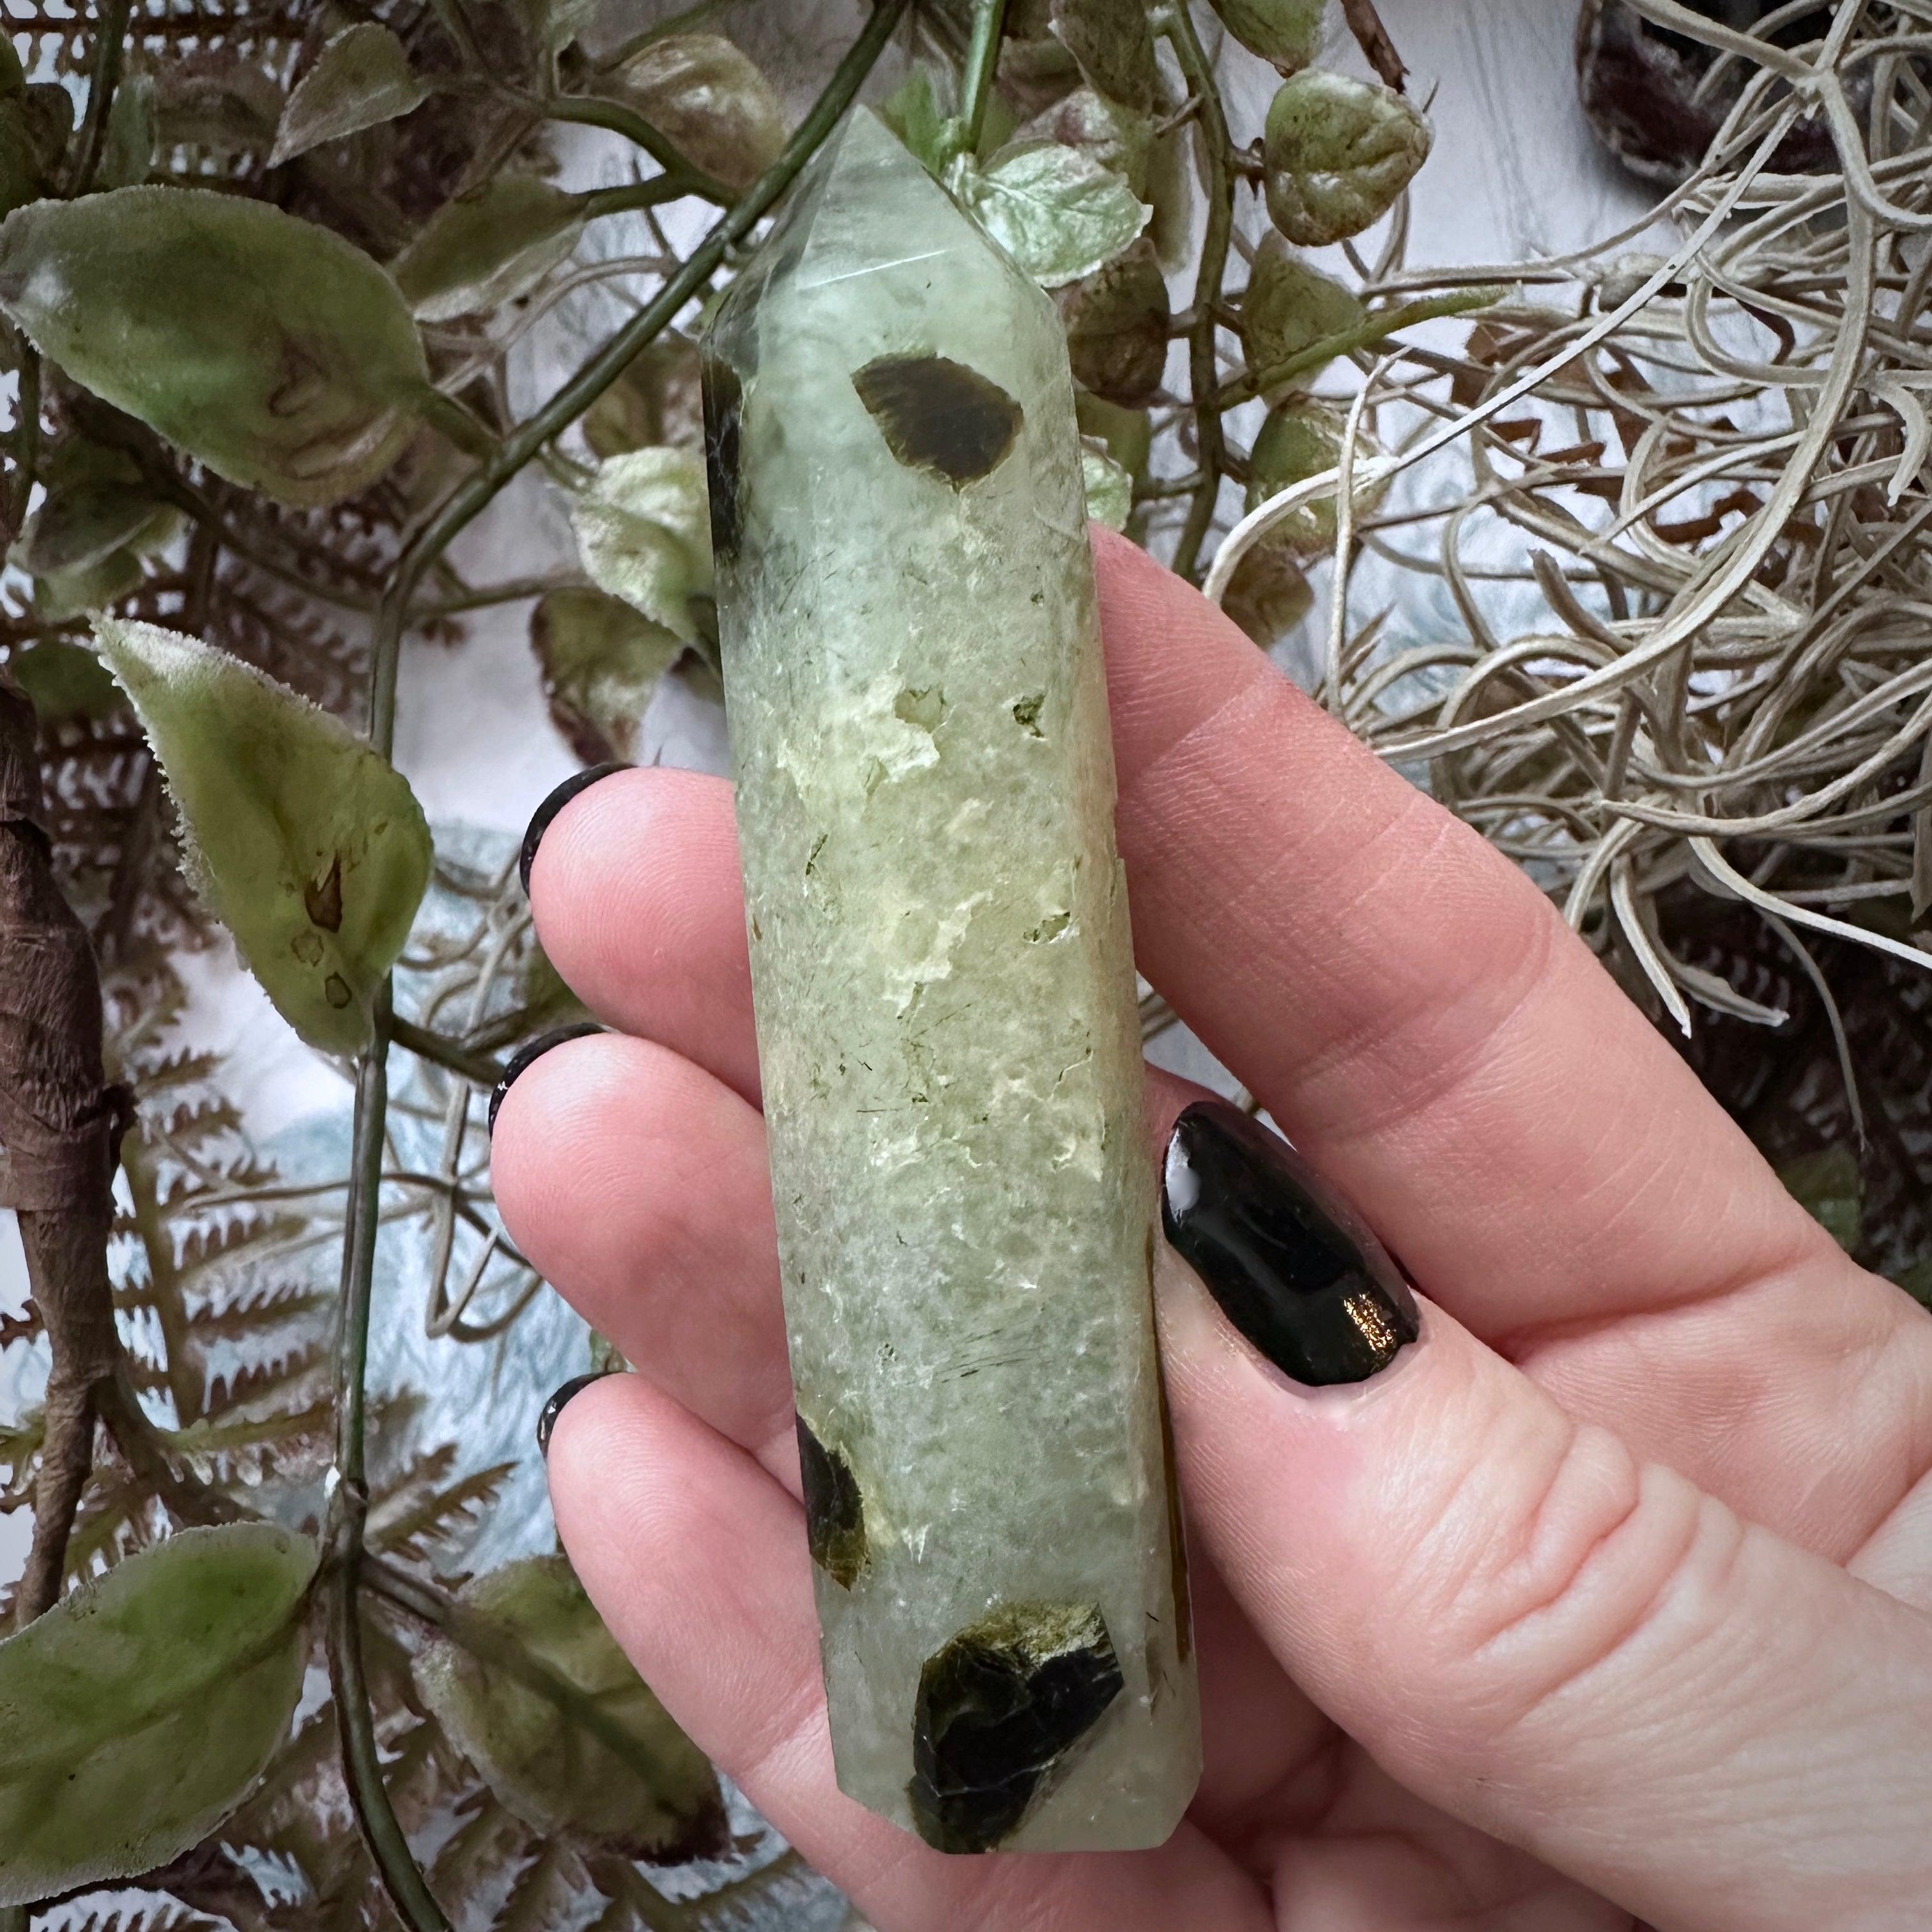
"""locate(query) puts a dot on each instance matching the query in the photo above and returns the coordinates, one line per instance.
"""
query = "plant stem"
(442, 1051)
(477, 492)
(110, 43)
(983, 61)
(1370, 330)
(1203, 377)
(628, 195)
(679, 176)
(349, 1502)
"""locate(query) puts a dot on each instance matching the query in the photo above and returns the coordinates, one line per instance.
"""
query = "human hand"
(1611, 1596)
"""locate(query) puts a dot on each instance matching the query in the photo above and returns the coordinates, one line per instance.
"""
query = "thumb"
(1580, 1654)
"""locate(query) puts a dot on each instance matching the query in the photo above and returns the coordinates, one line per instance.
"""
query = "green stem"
(680, 177)
(982, 61)
(474, 495)
(1203, 377)
(348, 1503)
(628, 195)
(458, 423)
(1365, 334)
(443, 1052)
(110, 42)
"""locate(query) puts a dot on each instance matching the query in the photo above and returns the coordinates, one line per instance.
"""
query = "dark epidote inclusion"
(1000, 1708)
(834, 1511)
(936, 414)
(724, 412)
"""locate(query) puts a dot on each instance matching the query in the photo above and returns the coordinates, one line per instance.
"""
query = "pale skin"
(1608, 1603)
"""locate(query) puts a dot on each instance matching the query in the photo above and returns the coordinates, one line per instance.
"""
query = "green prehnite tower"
(946, 1022)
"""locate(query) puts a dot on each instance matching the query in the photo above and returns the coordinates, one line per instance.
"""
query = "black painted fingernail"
(1294, 1267)
(535, 1049)
(553, 1408)
(540, 819)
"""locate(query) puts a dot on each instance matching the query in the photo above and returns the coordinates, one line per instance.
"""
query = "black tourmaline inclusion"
(999, 1709)
(724, 407)
(834, 1511)
(938, 415)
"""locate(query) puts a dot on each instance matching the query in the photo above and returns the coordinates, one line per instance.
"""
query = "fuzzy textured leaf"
(361, 79)
(1057, 211)
(487, 247)
(1268, 594)
(601, 662)
(1117, 325)
(659, 1799)
(96, 502)
(128, 157)
(271, 349)
(1300, 440)
(916, 113)
(1121, 141)
(1291, 305)
(1113, 44)
(1336, 153)
(643, 529)
(140, 1710)
(1287, 33)
(305, 843)
(1110, 489)
(710, 101)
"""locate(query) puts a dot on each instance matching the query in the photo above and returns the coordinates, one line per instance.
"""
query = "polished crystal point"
(946, 1024)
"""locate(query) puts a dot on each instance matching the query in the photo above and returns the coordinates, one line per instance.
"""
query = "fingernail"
(553, 1408)
(535, 1049)
(540, 819)
(1292, 1265)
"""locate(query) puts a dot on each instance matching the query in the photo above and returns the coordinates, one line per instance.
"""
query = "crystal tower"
(944, 988)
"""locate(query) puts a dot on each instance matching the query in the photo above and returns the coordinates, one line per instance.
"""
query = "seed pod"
(1287, 33)
(1337, 152)
(1117, 324)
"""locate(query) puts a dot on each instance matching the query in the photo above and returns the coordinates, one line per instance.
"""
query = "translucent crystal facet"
(946, 1024)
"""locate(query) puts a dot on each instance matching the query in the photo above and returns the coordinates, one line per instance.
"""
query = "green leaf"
(92, 587)
(488, 246)
(21, 180)
(1268, 595)
(655, 1795)
(1287, 33)
(1300, 440)
(1126, 435)
(601, 662)
(710, 101)
(657, 399)
(916, 113)
(1110, 489)
(1113, 44)
(66, 682)
(1830, 1187)
(1117, 325)
(96, 502)
(1121, 141)
(127, 158)
(305, 843)
(140, 1710)
(1058, 213)
(271, 349)
(1336, 153)
(1290, 305)
(643, 529)
(220, 102)
(361, 79)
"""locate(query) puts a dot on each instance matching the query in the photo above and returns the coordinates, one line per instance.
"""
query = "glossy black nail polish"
(531, 1050)
(1294, 1267)
(540, 819)
(553, 1408)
